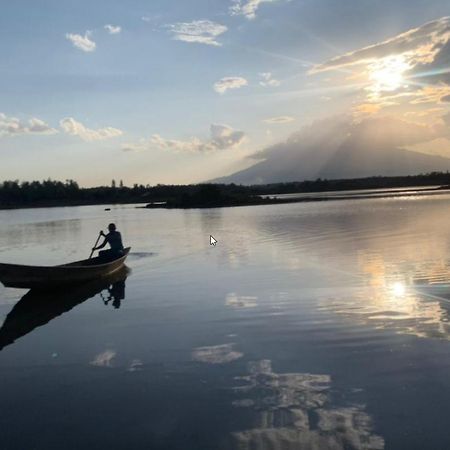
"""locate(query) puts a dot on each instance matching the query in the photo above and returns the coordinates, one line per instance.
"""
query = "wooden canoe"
(41, 277)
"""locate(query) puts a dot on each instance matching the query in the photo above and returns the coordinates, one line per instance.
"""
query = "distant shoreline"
(65, 205)
(439, 190)
(261, 201)
(54, 194)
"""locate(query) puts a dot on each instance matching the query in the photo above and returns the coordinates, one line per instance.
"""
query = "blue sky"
(179, 91)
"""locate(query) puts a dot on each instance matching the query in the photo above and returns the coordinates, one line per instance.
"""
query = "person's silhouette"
(114, 239)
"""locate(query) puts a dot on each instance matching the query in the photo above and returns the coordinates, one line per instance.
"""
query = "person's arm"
(105, 241)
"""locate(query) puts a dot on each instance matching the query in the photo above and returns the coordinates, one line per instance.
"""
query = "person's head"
(112, 227)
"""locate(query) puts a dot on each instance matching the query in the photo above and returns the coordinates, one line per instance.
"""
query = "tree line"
(49, 192)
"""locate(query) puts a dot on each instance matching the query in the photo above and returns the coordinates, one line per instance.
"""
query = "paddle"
(96, 242)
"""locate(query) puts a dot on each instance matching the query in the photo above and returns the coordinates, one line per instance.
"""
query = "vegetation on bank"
(15, 194)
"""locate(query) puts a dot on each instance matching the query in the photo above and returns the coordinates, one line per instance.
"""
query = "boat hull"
(41, 277)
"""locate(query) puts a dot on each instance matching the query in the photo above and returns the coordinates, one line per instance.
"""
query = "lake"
(308, 326)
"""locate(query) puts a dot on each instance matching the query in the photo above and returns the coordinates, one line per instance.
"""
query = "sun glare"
(398, 289)
(387, 74)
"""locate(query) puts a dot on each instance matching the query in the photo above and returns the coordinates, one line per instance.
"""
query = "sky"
(184, 91)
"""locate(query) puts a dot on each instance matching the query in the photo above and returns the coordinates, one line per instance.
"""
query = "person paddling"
(114, 239)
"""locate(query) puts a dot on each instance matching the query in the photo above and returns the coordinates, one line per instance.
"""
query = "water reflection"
(37, 308)
(115, 293)
(104, 359)
(216, 354)
(407, 298)
(385, 262)
(293, 412)
(420, 311)
(241, 301)
(14, 240)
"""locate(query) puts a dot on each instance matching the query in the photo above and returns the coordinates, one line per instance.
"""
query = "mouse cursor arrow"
(212, 241)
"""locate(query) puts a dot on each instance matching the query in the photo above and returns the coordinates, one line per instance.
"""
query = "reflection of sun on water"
(387, 74)
(398, 289)
(399, 295)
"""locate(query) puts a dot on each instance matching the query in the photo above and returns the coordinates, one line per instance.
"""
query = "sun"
(387, 74)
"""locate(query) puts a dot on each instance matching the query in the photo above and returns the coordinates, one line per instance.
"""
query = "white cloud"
(191, 145)
(222, 137)
(82, 42)
(12, 126)
(198, 31)
(113, 29)
(410, 68)
(279, 119)
(419, 45)
(74, 128)
(226, 83)
(247, 8)
(268, 80)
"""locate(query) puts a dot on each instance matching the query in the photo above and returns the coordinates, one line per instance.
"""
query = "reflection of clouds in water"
(104, 359)
(293, 414)
(135, 365)
(284, 390)
(216, 354)
(234, 256)
(240, 301)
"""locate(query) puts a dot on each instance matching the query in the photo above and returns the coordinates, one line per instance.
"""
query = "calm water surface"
(309, 326)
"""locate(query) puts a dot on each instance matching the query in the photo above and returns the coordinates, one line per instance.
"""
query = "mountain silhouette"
(336, 149)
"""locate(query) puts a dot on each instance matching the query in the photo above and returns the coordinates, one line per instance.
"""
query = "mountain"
(338, 149)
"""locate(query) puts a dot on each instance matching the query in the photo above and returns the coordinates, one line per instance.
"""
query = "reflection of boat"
(19, 276)
(36, 307)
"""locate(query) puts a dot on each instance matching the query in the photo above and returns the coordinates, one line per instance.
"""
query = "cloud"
(408, 69)
(341, 147)
(279, 119)
(371, 133)
(386, 131)
(113, 29)
(247, 8)
(74, 128)
(366, 109)
(198, 31)
(445, 98)
(12, 126)
(268, 80)
(222, 137)
(226, 83)
(83, 43)
(191, 146)
(419, 45)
